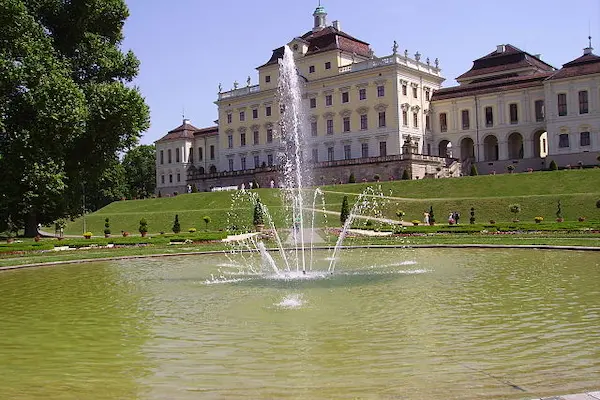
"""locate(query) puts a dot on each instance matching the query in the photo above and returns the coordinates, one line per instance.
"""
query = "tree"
(553, 166)
(139, 165)
(472, 219)
(400, 214)
(431, 216)
(194, 188)
(206, 220)
(352, 178)
(144, 226)
(258, 217)
(106, 226)
(176, 226)
(474, 171)
(67, 110)
(405, 175)
(345, 211)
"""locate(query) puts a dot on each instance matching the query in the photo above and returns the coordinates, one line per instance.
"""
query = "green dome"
(320, 10)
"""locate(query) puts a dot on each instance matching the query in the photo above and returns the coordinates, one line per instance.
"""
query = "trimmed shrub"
(352, 178)
(106, 227)
(553, 166)
(206, 220)
(143, 226)
(376, 177)
(473, 170)
(258, 218)
(345, 211)
(405, 175)
(176, 226)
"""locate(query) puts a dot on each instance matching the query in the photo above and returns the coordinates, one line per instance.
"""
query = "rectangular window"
(562, 104)
(255, 113)
(427, 95)
(269, 135)
(583, 102)
(514, 113)
(364, 150)
(178, 177)
(242, 139)
(191, 156)
(268, 78)
(212, 152)
(345, 97)
(427, 123)
(347, 152)
(443, 122)
(563, 140)
(328, 100)
(268, 111)
(416, 120)
(162, 157)
(242, 116)
(405, 118)
(170, 178)
(346, 123)
(243, 163)
(200, 154)
(176, 155)
(364, 122)
(313, 128)
(415, 92)
(313, 103)
(584, 139)
(256, 137)
(231, 164)
(404, 90)
(380, 91)
(382, 149)
(465, 119)
(327, 65)
(162, 179)
(311, 69)
(330, 127)
(382, 119)
(315, 155)
(230, 141)
(362, 94)
(330, 154)
(256, 161)
(270, 160)
(539, 110)
(229, 118)
(489, 117)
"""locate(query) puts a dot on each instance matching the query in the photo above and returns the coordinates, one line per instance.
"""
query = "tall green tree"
(345, 210)
(66, 105)
(139, 165)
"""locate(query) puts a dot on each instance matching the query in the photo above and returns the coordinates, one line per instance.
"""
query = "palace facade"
(376, 117)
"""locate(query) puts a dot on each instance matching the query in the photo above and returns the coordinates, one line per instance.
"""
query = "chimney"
(336, 25)
(186, 121)
(500, 48)
(588, 50)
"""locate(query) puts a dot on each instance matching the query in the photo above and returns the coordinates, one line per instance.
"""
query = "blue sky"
(187, 47)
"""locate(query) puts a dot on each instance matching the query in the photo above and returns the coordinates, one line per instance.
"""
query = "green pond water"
(389, 324)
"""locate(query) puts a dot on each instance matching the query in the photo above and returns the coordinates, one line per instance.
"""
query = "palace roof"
(587, 64)
(326, 39)
(188, 131)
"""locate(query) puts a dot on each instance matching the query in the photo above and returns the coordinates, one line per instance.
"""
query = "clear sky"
(187, 47)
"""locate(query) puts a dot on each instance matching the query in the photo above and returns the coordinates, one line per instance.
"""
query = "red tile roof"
(511, 59)
(587, 64)
(188, 131)
(326, 39)
(497, 85)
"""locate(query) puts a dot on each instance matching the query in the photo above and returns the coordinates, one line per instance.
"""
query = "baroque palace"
(376, 117)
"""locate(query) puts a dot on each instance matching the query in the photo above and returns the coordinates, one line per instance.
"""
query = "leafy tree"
(106, 226)
(352, 178)
(515, 209)
(206, 220)
(258, 217)
(66, 108)
(553, 166)
(345, 211)
(405, 175)
(176, 226)
(139, 165)
(194, 188)
(474, 171)
(144, 226)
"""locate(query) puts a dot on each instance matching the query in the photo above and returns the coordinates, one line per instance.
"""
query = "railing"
(394, 59)
(239, 92)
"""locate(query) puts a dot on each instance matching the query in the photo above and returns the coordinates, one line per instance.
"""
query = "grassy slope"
(537, 194)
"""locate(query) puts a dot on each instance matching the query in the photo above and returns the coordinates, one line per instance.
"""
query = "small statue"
(248, 81)
(437, 62)
(220, 88)
(405, 53)
(235, 85)
(427, 61)
(395, 48)
(371, 54)
(353, 57)
(417, 56)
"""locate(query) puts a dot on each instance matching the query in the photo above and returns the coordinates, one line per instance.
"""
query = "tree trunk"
(31, 225)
